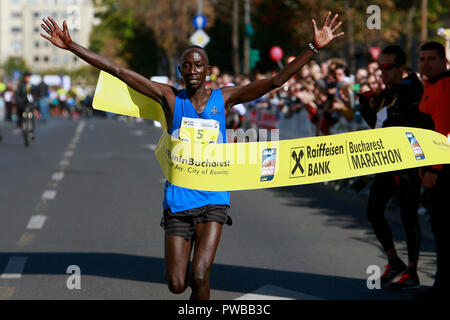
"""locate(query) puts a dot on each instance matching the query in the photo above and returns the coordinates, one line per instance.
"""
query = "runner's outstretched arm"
(61, 38)
(321, 38)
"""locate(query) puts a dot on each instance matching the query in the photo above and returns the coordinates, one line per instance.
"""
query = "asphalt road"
(88, 193)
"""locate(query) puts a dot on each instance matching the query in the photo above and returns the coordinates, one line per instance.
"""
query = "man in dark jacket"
(396, 105)
(41, 95)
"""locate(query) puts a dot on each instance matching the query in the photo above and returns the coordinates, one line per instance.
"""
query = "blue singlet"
(179, 198)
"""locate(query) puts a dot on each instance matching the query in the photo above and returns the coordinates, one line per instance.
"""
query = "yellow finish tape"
(113, 95)
(255, 165)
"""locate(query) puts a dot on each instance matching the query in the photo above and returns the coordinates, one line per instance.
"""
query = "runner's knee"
(200, 276)
(176, 285)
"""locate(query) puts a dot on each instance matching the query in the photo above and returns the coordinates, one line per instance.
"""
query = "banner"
(255, 165)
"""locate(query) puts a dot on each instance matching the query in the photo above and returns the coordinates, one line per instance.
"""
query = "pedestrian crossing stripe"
(238, 166)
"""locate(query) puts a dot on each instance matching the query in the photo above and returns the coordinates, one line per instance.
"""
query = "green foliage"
(140, 33)
(117, 21)
(121, 37)
(13, 63)
(436, 10)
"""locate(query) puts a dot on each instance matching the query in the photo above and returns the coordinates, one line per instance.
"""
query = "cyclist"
(25, 105)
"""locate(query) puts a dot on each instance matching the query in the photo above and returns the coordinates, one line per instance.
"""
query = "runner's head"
(194, 67)
(432, 61)
(26, 77)
(392, 63)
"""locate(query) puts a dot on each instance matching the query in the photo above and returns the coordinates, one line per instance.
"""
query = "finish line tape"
(256, 165)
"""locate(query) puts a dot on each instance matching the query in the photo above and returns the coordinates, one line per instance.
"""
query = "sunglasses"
(387, 66)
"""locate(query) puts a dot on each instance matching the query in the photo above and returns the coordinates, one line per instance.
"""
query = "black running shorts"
(183, 223)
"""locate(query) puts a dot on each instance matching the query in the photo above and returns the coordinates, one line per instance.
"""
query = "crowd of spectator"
(55, 101)
(327, 91)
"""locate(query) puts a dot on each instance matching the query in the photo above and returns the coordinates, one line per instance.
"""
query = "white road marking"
(36, 222)
(76, 138)
(49, 195)
(68, 154)
(151, 147)
(58, 176)
(80, 127)
(138, 133)
(64, 163)
(270, 292)
(14, 268)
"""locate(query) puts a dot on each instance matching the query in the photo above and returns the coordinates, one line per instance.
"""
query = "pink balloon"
(276, 53)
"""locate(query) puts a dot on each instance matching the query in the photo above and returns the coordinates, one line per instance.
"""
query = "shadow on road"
(343, 210)
(349, 212)
(223, 277)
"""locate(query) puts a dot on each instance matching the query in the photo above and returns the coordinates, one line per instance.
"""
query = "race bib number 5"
(202, 131)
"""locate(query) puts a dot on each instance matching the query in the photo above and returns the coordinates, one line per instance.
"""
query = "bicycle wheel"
(26, 128)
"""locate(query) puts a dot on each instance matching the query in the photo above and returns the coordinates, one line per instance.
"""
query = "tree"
(120, 38)
(14, 63)
(170, 21)
(149, 26)
(228, 20)
(147, 34)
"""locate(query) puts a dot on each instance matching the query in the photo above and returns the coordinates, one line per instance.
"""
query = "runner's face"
(194, 68)
(431, 64)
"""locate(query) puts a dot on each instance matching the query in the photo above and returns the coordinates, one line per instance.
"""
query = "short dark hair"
(195, 47)
(433, 45)
(400, 55)
(344, 67)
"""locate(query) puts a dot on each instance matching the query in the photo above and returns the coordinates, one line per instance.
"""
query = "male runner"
(193, 218)
(436, 102)
(396, 105)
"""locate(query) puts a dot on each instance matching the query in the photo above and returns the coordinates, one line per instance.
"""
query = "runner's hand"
(325, 35)
(60, 38)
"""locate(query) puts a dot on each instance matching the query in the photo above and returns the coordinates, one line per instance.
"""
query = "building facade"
(20, 29)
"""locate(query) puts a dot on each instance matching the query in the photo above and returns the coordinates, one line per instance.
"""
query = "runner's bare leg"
(177, 255)
(207, 236)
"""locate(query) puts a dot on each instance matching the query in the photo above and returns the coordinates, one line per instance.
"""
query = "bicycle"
(28, 124)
